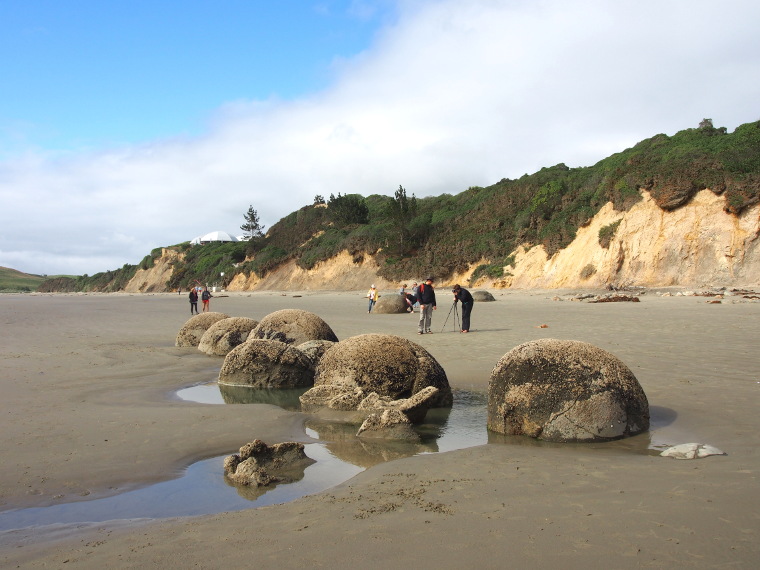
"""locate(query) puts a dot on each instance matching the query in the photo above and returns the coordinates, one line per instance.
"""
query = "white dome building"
(213, 237)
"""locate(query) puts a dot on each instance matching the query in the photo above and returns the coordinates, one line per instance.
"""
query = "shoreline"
(88, 383)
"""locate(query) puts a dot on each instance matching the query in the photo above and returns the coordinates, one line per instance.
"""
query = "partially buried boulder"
(293, 326)
(226, 334)
(389, 365)
(482, 296)
(565, 391)
(391, 304)
(193, 330)
(266, 364)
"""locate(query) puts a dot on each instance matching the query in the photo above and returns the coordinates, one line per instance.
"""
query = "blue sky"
(84, 73)
(125, 126)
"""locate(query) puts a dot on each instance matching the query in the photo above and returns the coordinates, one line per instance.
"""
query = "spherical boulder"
(293, 326)
(565, 391)
(266, 364)
(391, 304)
(314, 349)
(389, 365)
(191, 332)
(482, 296)
(226, 334)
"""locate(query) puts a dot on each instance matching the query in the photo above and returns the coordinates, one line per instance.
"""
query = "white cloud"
(455, 93)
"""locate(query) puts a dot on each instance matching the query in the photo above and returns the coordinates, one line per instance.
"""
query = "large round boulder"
(565, 391)
(391, 304)
(482, 296)
(315, 349)
(226, 334)
(389, 365)
(293, 326)
(266, 364)
(193, 330)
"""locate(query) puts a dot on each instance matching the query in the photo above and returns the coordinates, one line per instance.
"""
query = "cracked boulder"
(293, 326)
(258, 464)
(388, 424)
(565, 391)
(226, 334)
(389, 365)
(266, 364)
(314, 349)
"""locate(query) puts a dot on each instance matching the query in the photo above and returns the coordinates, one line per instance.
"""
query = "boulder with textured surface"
(565, 391)
(314, 349)
(388, 424)
(226, 334)
(391, 304)
(389, 365)
(266, 364)
(193, 330)
(258, 464)
(293, 326)
(482, 296)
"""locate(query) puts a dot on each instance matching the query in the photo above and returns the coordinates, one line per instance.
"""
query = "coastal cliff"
(699, 244)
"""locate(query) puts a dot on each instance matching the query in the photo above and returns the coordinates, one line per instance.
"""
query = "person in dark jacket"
(193, 301)
(206, 298)
(426, 298)
(463, 295)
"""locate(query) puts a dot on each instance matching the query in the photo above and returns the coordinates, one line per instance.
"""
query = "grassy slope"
(448, 233)
(12, 280)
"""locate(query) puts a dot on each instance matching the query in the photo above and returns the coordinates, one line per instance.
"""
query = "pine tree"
(252, 225)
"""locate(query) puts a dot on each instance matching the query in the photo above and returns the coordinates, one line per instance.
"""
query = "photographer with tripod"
(463, 295)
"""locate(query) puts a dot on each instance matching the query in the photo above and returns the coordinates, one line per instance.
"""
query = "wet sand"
(88, 407)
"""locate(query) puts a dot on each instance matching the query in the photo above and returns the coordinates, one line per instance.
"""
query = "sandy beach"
(89, 410)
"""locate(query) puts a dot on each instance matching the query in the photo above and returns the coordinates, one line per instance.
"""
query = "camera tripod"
(456, 316)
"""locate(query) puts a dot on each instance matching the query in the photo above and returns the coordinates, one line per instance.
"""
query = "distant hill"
(12, 280)
(492, 235)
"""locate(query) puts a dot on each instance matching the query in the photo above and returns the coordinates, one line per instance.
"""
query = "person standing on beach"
(193, 301)
(463, 295)
(372, 295)
(415, 293)
(402, 291)
(206, 298)
(426, 297)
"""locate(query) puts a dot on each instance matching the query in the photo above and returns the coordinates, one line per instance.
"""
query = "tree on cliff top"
(252, 225)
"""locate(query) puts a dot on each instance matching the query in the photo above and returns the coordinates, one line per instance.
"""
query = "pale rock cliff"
(342, 273)
(155, 278)
(698, 244)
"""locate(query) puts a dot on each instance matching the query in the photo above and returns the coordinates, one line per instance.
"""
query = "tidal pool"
(202, 488)
(339, 455)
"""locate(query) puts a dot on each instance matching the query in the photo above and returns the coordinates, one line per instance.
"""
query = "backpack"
(205, 296)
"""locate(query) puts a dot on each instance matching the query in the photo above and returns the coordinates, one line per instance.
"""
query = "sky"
(127, 126)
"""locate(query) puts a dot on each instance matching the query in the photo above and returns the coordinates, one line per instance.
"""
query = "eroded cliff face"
(698, 244)
(155, 278)
(341, 273)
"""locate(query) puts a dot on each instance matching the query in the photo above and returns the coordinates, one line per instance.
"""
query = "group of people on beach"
(423, 296)
(205, 296)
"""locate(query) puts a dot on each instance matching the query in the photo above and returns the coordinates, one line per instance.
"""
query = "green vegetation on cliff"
(448, 233)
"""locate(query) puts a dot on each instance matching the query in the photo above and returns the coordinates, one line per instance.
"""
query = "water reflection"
(286, 398)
